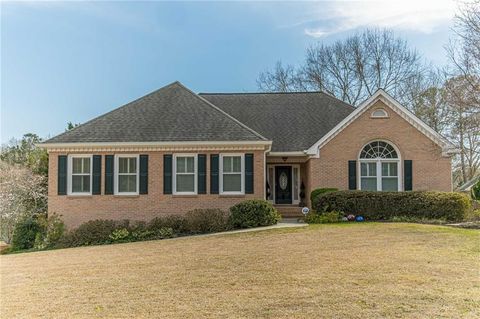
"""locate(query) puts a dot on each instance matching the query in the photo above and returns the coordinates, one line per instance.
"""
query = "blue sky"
(72, 61)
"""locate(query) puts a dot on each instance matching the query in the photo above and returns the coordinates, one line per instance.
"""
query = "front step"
(289, 211)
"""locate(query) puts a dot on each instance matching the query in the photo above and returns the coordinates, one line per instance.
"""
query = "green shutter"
(62, 175)
(109, 174)
(352, 175)
(202, 174)
(143, 174)
(407, 175)
(248, 173)
(167, 174)
(97, 174)
(214, 174)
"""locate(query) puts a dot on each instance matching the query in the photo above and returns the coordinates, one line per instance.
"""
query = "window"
(232, 174)
(379, 166)
(271, 181)
(379, 113)
(126, 174)
(80, 177)
(185, 170)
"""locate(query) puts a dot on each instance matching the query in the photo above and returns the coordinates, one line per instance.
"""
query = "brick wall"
(78, 209)
(431, 171)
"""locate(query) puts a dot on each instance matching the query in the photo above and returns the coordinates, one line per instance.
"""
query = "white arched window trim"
(378, 166)
(379, 114)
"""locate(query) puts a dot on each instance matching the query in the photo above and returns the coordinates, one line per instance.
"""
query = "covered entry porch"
(286, 184)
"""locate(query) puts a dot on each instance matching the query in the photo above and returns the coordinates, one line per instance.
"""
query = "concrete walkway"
(285, 223)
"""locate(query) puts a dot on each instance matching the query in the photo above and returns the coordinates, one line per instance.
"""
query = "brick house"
(174, 150)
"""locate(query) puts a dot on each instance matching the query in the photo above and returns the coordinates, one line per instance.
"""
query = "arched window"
(379, 167)
(379, 113)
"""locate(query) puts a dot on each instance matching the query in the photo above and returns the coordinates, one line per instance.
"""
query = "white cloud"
(421, 16)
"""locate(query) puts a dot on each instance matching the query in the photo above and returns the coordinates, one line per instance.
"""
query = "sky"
(71, 61)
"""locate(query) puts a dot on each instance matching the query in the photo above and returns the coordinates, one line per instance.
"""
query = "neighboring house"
(173, 150)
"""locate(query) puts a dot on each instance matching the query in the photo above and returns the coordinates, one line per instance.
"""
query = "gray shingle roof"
(293, 121)
(170, 114)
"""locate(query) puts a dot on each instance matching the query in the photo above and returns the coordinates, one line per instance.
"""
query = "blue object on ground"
(359, 219)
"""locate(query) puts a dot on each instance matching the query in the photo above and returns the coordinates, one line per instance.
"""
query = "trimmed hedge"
(386, 205)
(314, 194)
(253, 213)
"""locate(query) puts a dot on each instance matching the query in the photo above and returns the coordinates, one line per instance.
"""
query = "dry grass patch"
(342, 271)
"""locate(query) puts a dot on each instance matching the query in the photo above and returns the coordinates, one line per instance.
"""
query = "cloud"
(421, 16)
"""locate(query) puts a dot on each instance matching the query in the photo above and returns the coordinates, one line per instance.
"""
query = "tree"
(463, 90)
(25, 152)
(464, 128)
(22, 193)
(71, 126)
(352, 69)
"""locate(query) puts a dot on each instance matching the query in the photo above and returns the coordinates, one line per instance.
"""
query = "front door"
(283, 184)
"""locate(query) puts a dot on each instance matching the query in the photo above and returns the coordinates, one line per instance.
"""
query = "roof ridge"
(286, 93)
(111, 111)
(223, 112)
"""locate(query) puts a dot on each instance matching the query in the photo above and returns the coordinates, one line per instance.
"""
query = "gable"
(381, 100)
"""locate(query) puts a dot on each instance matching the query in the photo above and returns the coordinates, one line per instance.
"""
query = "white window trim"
(373, 116)
(379, 162)
(195, 174)
(242, 173)
(116, 166)
(70, 174)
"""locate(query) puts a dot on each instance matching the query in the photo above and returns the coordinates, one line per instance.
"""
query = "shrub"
(93, 232)
(177, 223)
(476, 191)
(323, 218)
(52, 230)
(316, 192)
(253, 213)
(165, 232)
(25, 233)
(473, 215)
(201, 221)
(386, 205)
(119, 234)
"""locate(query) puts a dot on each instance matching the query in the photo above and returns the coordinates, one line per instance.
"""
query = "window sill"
(232, 195)
(72, 196)
(126, 195)
(184, 195)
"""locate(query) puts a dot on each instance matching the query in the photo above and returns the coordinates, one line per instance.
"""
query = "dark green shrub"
(25, 233)
(386, 205)
(165, 232)
(323, 218)
(201, 221)
(52, 230)
(476, 191)
(177, 223)
(253, 213)
(94, 232)
(320, 191)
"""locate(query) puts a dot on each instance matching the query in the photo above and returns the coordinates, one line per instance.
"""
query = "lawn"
(324, 271)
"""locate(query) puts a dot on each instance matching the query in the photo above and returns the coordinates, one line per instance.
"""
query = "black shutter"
(248, 173)
(62, 175)
(202, 174)
(143, 174)
(97, 174)
(214, 174)
(352, 175)
(407, 175)
(109, 174)
(167, 174)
